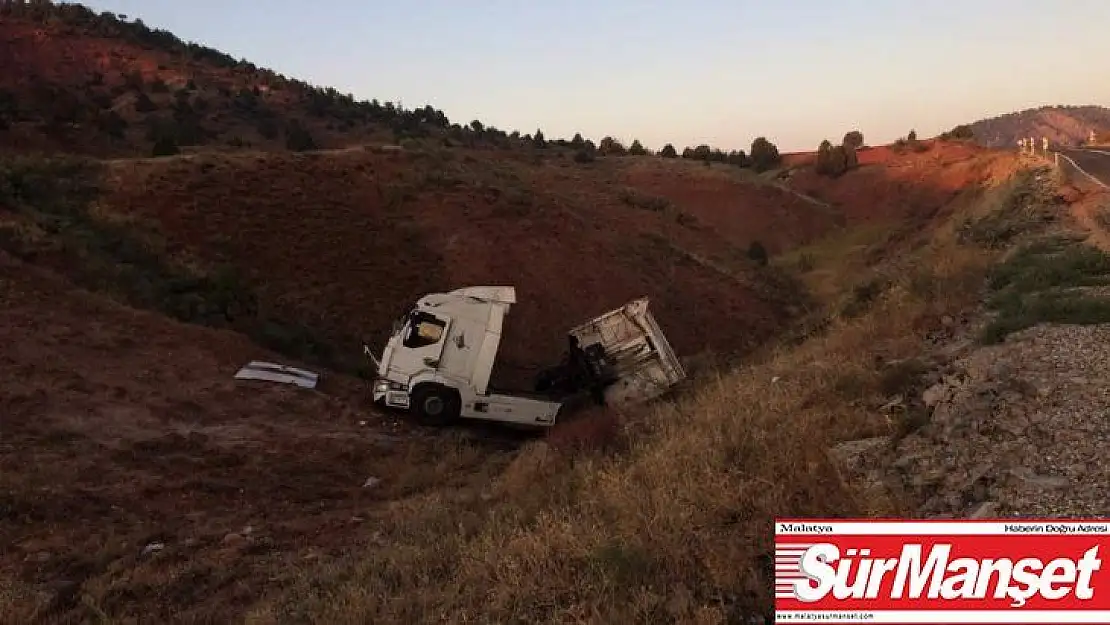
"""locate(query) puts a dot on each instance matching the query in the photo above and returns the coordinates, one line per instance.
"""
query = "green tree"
(838, 162)
(538, 139)
(834, 161)
(824, 164)
(764, 155)
(851, 158)
(962, 132)
(668, 151)
(577, 142)
(268, 128)
(637, 148)
(702, 153)
(853, 139)
(610, 147)
(298, 138)
(738, 158)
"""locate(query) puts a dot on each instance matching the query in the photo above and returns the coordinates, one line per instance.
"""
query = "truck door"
(425, 337)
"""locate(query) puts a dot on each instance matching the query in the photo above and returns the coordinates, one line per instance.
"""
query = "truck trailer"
(439, 359)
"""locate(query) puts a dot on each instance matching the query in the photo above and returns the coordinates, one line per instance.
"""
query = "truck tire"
(434, 404)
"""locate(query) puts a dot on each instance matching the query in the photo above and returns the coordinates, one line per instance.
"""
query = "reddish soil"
(1091, 209)
(891, 186)
(123, 429)
(732, 204)
(347, 240)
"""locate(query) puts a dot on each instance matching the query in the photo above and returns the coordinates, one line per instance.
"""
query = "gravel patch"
(1019, 429)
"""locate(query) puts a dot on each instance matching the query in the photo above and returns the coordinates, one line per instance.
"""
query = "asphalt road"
(1094, 161)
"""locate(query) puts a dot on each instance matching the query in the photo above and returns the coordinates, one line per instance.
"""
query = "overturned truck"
(439, 359)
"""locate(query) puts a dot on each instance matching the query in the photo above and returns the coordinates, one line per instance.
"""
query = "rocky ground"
(1016, 429)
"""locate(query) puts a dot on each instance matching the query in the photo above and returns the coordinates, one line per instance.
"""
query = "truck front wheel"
(435, 405)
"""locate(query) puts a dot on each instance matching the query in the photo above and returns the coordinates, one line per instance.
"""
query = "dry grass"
(1102, 215)
(831, 266)
(676, 528)
(20, 603)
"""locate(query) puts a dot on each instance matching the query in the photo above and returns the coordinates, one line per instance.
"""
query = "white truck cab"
(439, 359)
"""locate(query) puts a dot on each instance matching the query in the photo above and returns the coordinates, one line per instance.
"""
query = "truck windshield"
(400, 321)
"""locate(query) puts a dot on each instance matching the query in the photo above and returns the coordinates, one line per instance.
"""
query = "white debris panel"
(274, 372)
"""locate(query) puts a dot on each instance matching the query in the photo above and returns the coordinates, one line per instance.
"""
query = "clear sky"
(701, 71)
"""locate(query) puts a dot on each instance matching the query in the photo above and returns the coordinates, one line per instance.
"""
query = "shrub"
(738, 158)
(853, 139)
(834, 161)
(758, 253)
(668, 151)
(823, 165)
(764, 155)
(165, 146)
(610, 147)
(962, 132)
(298, 138)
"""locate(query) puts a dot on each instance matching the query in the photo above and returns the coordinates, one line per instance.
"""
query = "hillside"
(1063, 125)
(103, 261)
(102, 85)
(342, 241)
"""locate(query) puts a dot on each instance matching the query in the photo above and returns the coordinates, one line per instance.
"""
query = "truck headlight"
(381, 386)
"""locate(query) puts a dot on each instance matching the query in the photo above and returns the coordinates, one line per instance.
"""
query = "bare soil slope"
(344, 241)
(898, 184)
(736, 203)
(123, 429)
